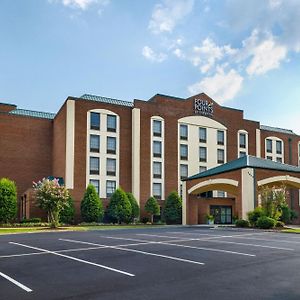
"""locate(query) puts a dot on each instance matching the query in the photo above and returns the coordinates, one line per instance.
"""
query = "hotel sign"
(203, 107)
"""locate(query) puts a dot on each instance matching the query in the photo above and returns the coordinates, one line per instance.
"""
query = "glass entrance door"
(222, 214)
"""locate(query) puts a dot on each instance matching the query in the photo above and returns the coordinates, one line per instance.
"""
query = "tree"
(134, 206)
(152, 207)
(173, 209)
(8, 200)
(51, 197)
(66, 215)
(91, 206)
(119, 208)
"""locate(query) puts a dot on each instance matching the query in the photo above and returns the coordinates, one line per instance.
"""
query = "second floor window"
(242, 153)
(156, 149)
(183, 132)
(94, 143)
(111, 123)
(111, 145)
(202, 154)
(278, 147)
(110, 167)
(184, 152)
(202, 169)
(156, 128)
(183, 171)
(269, 146)
(96, 184)
(94, 165)
(95, 121)
(242, 140)
(221, 156)
(157, 169)
(157, 190)
(202, 135)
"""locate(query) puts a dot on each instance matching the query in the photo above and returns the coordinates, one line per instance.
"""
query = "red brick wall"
(25, 149)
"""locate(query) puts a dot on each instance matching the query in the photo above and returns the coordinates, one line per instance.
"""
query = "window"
(269, 146)
(183, 171)
(221, 194)
(183, 132)
(156, 149)
(202, 135)
(220, 137)
(110, 187)
(94, 165)
(111, 123)
(184, 152)
(96, 184)
(157, 190)
(243, 153)
(279, 159)
(95, 120)
(278, 147)
(157, 169)
(94, 143)
(242, 140)
(202, 154)
(110, 167)
(111, 145)
(202, 169)
(221, 156)
(269, 157)
(156, 128)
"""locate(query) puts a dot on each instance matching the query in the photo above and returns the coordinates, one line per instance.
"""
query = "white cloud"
(275, 3)
(82, 4)
(151, 55)
(178, 52)
(222, 86)
(209, 53)
(167, 14)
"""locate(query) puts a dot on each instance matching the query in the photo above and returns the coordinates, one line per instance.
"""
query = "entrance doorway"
(221, 213)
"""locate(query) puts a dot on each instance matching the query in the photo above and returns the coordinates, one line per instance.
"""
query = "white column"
(136, 153)
(70, 140)
(258, 143)
(248, 192)
(184, 203)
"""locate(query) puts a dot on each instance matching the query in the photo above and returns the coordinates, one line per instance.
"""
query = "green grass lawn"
(291, 230)
(71, 228)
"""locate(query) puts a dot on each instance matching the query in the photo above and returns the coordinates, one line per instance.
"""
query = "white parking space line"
(267, 240)
(17, 283)
(170, 243)
(213, 240)
(74, 258)
(140, 252)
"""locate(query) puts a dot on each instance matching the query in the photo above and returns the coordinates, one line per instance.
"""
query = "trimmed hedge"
(254, 215)
(66, 215)
(242, 223)
(8, 200)
(134, 207)
(119, 208)
(265, 222)
(91, 206)
(173, 209)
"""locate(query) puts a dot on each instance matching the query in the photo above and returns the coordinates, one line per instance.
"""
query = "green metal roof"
(32, 113)
(276, 129)
(247, 162)
(106, 100)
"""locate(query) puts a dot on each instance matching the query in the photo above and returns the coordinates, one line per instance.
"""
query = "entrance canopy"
(240, 178)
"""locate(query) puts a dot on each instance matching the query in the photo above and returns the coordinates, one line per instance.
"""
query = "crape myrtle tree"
(173, 209)
(91, 206)
(8, 200)
(51, 197)
(119, 208)
(152, 208)
(134, 206)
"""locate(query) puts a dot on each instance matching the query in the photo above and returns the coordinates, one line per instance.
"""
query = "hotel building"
(146, 147)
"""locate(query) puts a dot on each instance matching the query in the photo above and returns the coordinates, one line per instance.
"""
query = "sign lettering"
(203, 107)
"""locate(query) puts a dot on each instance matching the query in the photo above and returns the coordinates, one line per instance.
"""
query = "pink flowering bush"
(51, 197)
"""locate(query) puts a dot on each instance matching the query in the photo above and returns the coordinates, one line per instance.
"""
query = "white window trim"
(247, 142)
(274, 154)
(103, 133)
(157, 159)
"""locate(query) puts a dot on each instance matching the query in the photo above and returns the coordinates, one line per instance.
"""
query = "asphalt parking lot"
(154, 263)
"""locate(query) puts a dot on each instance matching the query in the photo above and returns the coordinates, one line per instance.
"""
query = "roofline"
(168, 96)
(8, 104)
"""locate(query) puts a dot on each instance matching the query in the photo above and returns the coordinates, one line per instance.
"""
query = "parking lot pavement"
(154, 263)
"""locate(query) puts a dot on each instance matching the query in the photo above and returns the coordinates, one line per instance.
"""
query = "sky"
(244, 54)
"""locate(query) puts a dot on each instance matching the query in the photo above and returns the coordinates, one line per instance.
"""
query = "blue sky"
(243, 53)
